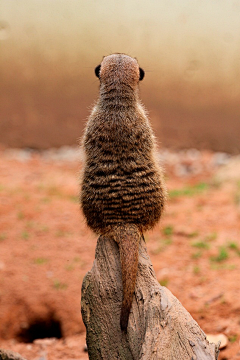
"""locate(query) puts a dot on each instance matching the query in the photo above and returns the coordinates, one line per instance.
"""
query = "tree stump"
(159, 326)
(10, 355)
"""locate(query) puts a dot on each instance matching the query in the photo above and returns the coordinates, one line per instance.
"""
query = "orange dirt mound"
(46, 248)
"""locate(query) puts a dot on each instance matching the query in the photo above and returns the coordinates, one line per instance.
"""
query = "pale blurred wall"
(190, 50)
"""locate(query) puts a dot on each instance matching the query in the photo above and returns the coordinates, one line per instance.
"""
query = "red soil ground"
(46, 249)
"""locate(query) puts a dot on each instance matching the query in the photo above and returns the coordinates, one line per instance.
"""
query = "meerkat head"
(119, 68)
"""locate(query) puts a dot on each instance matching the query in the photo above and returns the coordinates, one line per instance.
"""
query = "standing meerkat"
(122, 189)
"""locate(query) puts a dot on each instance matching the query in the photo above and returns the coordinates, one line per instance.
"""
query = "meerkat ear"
(97, 71)
(141, 74)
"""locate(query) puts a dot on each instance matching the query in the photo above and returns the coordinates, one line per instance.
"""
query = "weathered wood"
(10, 355)
(159, 327)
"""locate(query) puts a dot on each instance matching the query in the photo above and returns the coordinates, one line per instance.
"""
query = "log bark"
(159, 326)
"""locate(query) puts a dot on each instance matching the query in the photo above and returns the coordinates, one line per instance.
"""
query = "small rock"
(216, 338)
(45, 342)
(220, 159)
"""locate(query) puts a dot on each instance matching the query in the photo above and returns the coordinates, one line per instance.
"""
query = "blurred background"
(190, 51)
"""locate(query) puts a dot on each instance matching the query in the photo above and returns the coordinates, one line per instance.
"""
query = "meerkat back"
(122, 188)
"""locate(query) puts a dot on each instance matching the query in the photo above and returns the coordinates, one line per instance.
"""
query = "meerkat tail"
(128, 237)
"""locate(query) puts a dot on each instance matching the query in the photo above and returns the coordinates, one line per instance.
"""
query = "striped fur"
(122, 183)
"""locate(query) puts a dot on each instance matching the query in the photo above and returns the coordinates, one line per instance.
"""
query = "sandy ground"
(46, 248)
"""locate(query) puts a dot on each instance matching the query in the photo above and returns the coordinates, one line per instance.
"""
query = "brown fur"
(122, 189)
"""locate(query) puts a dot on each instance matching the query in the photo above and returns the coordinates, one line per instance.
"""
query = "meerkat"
(123, 193)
